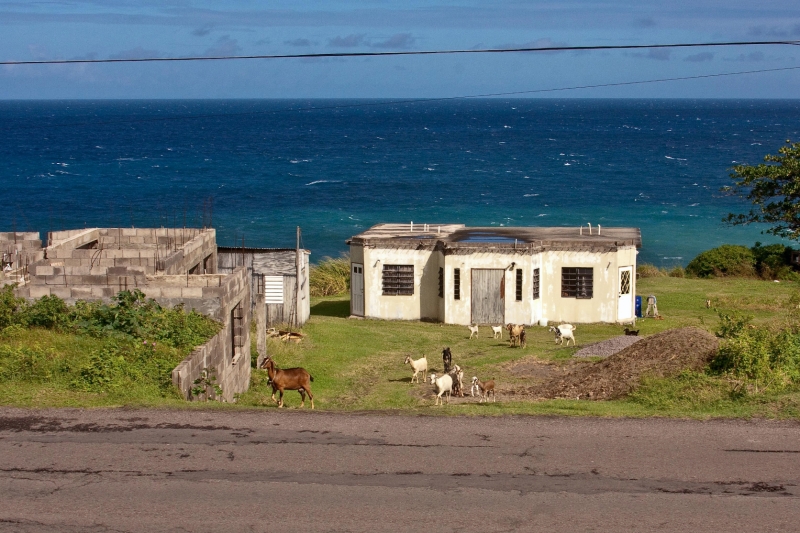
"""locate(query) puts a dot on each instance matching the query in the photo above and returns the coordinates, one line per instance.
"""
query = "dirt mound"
(609, 347)
(661, 355)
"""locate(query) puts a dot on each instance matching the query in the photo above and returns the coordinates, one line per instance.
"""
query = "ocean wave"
(295, 161)
(526, 195)
(324, 181)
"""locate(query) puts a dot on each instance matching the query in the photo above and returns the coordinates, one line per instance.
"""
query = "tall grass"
(330, 277)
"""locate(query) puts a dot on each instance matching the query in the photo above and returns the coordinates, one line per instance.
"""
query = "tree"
(774, 188)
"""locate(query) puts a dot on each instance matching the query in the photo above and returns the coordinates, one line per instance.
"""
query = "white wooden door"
(357, 289)
(625, 301)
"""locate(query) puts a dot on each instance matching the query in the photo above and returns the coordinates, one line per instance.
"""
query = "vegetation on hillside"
(123, 350)
(330, 277)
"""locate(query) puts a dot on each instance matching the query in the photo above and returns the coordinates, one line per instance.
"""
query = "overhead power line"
(406, 53)
(408, 100)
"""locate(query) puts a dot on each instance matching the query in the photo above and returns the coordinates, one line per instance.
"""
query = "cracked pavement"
(265, 470)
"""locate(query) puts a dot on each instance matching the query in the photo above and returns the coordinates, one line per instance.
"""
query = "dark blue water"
(337, 167)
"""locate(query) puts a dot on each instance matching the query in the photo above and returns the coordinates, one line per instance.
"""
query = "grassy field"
(358, 364)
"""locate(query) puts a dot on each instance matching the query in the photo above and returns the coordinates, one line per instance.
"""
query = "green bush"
(10, 306)
(646, 270)
(761, 358)
(330, 277)
(774, 262)
(725, 260)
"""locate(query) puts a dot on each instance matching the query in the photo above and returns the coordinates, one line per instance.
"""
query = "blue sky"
(72, 29)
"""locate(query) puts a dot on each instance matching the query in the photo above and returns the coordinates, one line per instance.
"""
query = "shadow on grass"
(336, 308)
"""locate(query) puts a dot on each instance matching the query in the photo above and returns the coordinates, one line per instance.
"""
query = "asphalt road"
(152, 470)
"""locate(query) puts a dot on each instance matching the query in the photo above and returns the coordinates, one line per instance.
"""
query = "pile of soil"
(662, 355)
(608, 347)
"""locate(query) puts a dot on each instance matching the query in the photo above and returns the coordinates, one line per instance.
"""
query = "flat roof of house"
(461, 236)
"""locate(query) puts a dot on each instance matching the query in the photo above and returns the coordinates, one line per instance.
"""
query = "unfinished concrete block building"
(171, 265)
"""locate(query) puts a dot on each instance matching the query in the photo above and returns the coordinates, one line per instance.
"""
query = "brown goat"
(289, 379)
(514, 332)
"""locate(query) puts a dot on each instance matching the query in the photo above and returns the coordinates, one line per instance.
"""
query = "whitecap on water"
(324, 181)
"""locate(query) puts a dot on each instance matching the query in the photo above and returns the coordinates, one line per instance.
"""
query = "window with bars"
(577, 282)
(260, 284)
(519, 285)
(456, 284)
(535, 283)
(398, 280)
(625, 282)
(237, 331)
(441, 282)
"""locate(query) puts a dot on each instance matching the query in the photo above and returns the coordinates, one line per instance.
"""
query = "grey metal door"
(488, 296)
(357, 289)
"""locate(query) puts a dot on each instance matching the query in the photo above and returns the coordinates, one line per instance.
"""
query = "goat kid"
(443, 385)
(484, 388)
(420, 365)
(457, 376)
(288, 379)
(498, 332)
(447, 359)
(473, 330)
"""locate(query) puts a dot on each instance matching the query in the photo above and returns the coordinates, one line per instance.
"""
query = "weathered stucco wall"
(551, 305)
(422, 304)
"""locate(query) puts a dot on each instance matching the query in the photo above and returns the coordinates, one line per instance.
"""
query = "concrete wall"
(551, 305)
(232, 375)
(19, 250)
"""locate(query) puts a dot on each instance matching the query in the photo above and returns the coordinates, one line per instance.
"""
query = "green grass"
(358, 364)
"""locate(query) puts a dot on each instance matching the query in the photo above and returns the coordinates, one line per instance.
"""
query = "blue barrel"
(638, 307)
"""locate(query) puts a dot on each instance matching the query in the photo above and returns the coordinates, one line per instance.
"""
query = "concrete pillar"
(261, 329)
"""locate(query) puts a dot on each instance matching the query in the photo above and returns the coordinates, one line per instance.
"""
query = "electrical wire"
(362, 104)
(399, 53)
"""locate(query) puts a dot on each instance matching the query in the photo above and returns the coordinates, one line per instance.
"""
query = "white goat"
(498, 331)
(564, 331)
(483, 388)
(420, 365)
(473, 330)
(443, 385)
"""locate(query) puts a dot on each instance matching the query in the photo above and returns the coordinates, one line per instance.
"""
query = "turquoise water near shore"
(336, 167)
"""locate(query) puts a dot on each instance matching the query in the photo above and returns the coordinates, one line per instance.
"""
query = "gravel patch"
(608, 347)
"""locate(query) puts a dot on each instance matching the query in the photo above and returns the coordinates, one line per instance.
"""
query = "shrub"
(10, 306)
(677, 272)
(761, 358)
(725, 260)
(646, 270)
(49, 312)
(330, 277)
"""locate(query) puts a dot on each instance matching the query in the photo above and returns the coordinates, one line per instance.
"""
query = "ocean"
(256, 169)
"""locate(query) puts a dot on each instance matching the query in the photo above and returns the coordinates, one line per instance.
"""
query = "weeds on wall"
(129, 344)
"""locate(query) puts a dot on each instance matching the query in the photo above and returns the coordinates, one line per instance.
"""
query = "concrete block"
(171, 292)
(37, 291)
(152, 292)
(61, 292)
(24, 292)
(98, 292)
(191, 292)
(43, 270)
(129, 232)
(81, 293)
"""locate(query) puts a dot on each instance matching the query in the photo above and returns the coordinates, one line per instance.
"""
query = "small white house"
(522, 275)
